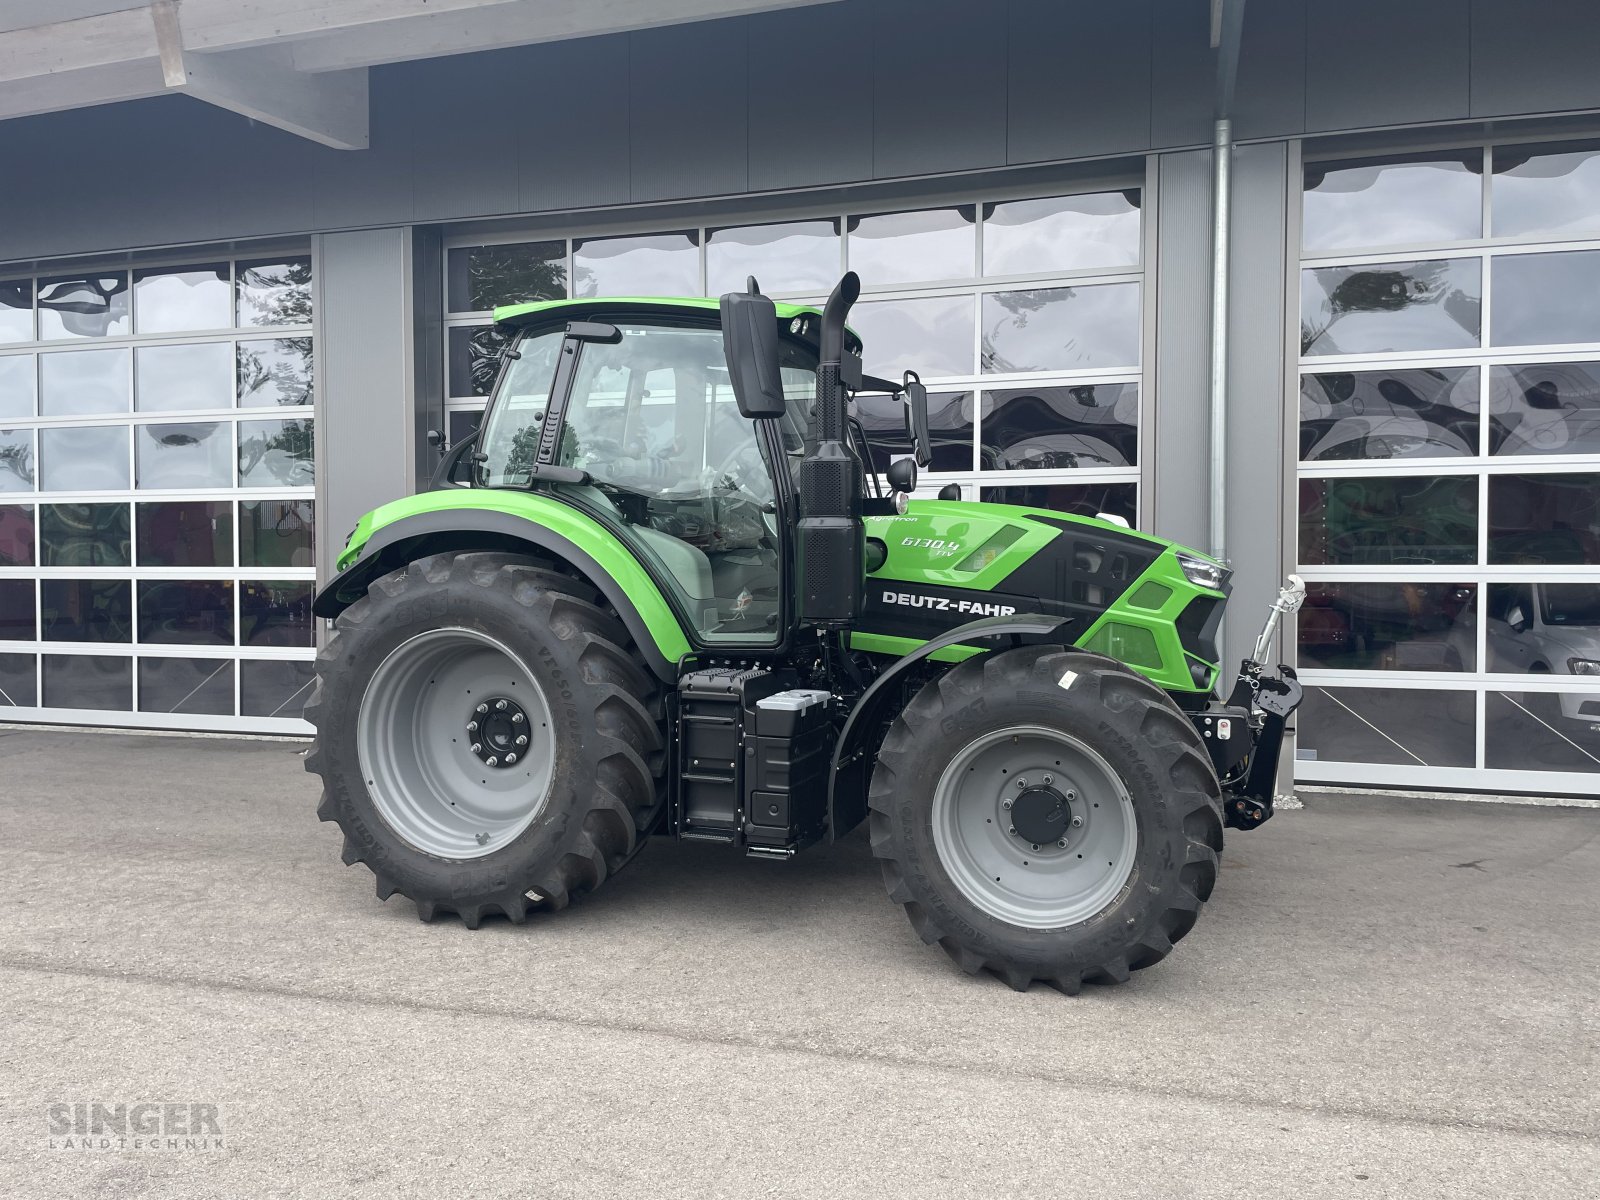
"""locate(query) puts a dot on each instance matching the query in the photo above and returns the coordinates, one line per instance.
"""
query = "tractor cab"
(631, 412)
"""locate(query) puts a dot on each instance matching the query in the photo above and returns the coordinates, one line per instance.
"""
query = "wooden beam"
(330, 108)
(20, 14)
(80, 89)
(332, 35)
(519, 24)
(262, 84)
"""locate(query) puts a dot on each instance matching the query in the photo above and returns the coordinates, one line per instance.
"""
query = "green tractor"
(661, 593)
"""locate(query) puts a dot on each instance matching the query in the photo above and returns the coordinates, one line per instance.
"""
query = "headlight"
(1203, 572)
(1583, 666)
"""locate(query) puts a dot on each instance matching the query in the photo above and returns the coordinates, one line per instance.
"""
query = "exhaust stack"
(832, 542)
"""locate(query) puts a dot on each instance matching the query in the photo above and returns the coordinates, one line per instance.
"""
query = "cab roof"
(518, 315)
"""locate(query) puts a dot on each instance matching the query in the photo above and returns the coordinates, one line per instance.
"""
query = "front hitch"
(1267, 700)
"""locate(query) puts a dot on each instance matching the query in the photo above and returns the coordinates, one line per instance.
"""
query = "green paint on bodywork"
(563, 519)
(943, 542)
(933, 542)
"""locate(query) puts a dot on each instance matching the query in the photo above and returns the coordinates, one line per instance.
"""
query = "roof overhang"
(299, 65)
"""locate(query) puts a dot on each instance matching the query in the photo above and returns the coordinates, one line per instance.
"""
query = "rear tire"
(963, 840)
(448, 821)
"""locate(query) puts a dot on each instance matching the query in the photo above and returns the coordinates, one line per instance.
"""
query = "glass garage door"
(156, 513)
(1022, 314)
(1449, 478)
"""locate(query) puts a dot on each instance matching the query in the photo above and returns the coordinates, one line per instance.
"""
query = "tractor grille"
(1197, 627)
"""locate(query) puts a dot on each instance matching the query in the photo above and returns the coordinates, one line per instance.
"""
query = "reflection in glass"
(275, 373)
(18, 383)
(274, 292)
(655, 264)
(86, 610)
(1087, 425)
(1381, 521)
(17, 681)
(1061, 233)
(931, 335)
(186, 685)
(16, 460)
(1542, 731)
(1389, 626)
(1544, 627)
(464, 423)
(949, 421)
(17, 610)
(1546, 299)
(16, 310)
(1538, 519)
(478, 278)
(1552, 189)
(914, 247)
(16, 535)
(186, 534)
(184, 456)
(83, 382)
(1545, 408)
(1061, 329)
(188, 612)
(277, 533)
(88, 681)
(512, 440)
(1426, 412)
(1390, 306)
(275, 688)
(796, 256)
(83, 306)
(276, 454)
(1079, 499)
(276, 613)
(1424, 198)
(177, 299)
(1401, 727)
(174, 378)
(474, 353)
(83, 535)
(90, 459)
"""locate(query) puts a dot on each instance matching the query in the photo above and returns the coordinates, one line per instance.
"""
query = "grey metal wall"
(365, 364)
(857, 91)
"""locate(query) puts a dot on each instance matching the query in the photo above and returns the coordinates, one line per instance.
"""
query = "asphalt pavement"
(1385, 998)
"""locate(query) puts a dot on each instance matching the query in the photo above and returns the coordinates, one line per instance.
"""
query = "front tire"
(1047, 814)
(486, 740)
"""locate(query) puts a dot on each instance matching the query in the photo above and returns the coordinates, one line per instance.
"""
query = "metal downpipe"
(1221, 198)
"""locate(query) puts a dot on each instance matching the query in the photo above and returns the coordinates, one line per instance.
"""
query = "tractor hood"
(944, 563)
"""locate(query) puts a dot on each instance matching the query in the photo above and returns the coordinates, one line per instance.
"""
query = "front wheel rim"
(996, 807)
(437, 739)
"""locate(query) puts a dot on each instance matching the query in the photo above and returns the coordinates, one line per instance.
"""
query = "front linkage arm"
(1269, 700)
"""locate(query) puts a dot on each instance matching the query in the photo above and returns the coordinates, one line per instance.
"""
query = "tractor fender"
(852, 764)
(658, 636)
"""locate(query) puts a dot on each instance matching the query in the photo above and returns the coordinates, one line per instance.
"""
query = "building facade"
(220, 341)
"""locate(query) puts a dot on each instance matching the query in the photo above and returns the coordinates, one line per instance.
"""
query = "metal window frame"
(234, 495)
(1482, 466)
(976, 286)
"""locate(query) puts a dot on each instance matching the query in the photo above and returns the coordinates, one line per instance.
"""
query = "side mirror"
(902, 474)
(750, 345)
(917, 419)
(1517, 619)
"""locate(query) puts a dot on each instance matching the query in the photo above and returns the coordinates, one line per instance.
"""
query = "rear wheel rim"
(994, 807)
(437, 738)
